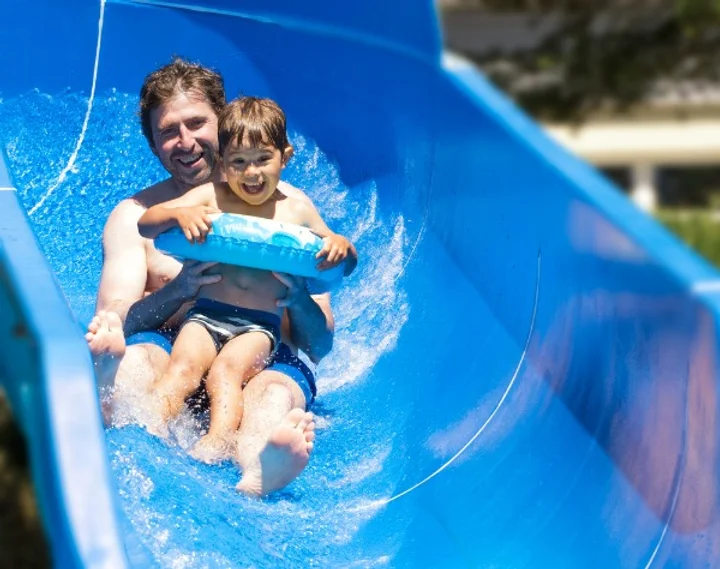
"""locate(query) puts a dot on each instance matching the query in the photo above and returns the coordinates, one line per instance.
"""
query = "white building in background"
(677, 126)
(643, 146)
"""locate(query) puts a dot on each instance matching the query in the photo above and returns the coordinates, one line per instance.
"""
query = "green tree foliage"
(605, 55)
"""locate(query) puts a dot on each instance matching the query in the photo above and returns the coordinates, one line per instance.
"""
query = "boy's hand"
(335, 250)
(195, 221)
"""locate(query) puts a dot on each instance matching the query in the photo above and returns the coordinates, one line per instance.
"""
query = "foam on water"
(184, 513)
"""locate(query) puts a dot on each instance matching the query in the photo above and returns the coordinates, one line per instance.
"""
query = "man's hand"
(191, 278)
(195, 221)
(336, 249)
(296, 289)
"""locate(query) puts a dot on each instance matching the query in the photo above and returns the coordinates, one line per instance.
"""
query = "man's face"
(253, 172)
(185, 132)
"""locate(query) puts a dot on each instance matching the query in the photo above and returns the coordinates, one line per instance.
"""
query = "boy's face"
(253, 172)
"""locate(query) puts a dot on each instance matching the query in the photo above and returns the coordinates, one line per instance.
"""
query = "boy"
(234, 326)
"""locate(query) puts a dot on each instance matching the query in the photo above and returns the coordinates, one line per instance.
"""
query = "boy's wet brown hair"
(179, 76)
(255, 120)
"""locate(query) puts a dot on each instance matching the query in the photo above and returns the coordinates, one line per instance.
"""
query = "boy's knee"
(182, 368)
(222, 371)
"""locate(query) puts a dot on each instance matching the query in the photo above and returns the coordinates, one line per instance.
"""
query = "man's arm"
(154, 310)
(124, 272)
(124, 275)
(310, 318)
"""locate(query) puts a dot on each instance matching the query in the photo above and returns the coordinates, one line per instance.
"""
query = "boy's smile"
(253, 172)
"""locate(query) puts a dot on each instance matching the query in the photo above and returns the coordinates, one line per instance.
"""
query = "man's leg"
(141, 366)
(276, 434)
(107, 345)
(125, 374)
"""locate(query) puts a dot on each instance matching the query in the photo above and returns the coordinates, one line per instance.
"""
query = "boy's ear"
(287, 154)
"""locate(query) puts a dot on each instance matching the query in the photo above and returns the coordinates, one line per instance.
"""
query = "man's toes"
(94, 325)
(310, 446)
(305, 421)
(295, 417)
(309, 436)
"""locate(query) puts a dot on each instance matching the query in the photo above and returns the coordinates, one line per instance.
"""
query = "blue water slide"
(525, 367)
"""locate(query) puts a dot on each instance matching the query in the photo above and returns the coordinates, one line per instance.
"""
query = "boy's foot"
(284, 457)
(106, 341)
(213, 449)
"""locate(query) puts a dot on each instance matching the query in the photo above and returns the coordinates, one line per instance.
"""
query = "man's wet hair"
(179, 76)
(254, 120)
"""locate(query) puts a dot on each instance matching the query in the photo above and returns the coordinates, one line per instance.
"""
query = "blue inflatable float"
(257, 243)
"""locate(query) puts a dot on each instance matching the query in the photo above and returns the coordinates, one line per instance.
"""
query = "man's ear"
(287, 154)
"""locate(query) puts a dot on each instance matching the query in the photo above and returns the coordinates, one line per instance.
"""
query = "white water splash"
(370, 308)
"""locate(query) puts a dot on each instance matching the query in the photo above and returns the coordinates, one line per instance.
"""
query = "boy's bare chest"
(280, 210)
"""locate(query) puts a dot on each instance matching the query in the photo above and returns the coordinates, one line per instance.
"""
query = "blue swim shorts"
(225, 322)
(286, 362)
(283, 361)
(162, 338)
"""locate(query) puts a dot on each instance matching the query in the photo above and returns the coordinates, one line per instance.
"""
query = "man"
(143, 293)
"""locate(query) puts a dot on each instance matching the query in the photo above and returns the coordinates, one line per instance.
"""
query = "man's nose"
(185, 138)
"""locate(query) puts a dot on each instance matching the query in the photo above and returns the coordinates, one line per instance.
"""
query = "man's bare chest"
(161, 269)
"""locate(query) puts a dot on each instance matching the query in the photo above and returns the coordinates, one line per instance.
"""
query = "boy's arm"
(336, 248)
(189, 211)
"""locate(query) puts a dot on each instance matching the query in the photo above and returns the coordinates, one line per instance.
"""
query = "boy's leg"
(240, 359)
(276, 435)
(192, 355)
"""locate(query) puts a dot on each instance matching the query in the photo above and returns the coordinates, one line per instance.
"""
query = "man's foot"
(106, 341)
(284, 457)
(213, 449)
(105, 336)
